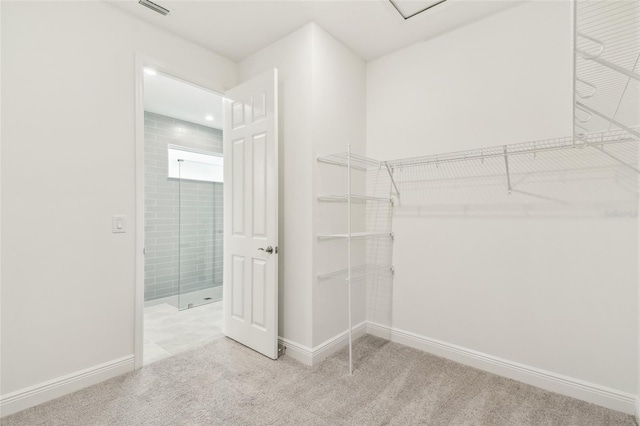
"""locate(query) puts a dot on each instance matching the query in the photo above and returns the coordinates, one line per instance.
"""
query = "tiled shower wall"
(196, 228)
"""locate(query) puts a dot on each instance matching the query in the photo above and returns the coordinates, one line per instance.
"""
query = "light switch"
(119, 224)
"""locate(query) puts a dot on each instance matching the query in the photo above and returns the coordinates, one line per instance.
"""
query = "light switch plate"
(119, 224)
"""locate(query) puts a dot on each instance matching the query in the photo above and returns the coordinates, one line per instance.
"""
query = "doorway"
(183, 215)
(175, 311)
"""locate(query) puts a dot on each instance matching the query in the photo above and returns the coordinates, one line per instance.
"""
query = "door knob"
(269, 249)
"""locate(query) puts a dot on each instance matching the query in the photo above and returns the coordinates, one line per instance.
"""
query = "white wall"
(322, 88)
(339, 118)
(554, 292)
(292, 56)
(68, 73)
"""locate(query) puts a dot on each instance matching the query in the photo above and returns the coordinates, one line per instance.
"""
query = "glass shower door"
(200, 237)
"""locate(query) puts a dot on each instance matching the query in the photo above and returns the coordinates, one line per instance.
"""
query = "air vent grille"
(155, 7)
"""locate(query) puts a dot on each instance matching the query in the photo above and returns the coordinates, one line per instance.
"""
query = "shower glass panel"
(200, 235)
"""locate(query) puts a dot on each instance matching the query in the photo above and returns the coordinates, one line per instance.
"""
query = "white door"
(250, 284)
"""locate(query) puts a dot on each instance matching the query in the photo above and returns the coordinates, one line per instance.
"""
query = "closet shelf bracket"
(390, 171)
(506, 166)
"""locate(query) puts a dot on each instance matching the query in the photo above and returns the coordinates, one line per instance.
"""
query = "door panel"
(251, 204)
(259, 185)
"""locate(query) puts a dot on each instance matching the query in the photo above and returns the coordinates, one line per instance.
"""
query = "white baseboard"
(333, 345)
(579, 389)
(43, 392)
(299, 352)
(317, 354)
(596, 394)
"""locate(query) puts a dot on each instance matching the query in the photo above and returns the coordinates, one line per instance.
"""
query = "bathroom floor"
(168, 331)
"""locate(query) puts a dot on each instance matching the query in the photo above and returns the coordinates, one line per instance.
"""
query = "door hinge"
(282, 349)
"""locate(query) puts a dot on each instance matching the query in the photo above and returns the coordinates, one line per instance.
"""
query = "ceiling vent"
(155, 7)
(410, 8)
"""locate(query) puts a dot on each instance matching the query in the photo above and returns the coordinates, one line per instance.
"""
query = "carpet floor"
(225, 383)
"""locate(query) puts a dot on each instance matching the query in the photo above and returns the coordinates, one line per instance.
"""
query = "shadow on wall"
(594, 182)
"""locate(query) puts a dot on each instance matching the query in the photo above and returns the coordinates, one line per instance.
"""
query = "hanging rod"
(596, 138)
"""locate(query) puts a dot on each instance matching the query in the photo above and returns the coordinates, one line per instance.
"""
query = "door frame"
(141, 62)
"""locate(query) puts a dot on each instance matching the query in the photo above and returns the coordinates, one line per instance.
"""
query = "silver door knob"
(269, 249)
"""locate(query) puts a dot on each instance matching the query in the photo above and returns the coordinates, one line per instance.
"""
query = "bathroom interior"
(183, 215)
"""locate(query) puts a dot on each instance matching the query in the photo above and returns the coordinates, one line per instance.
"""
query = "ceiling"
(371, 28)
(174, 98)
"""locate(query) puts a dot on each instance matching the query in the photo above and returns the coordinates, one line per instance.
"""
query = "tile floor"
(168, 331)
(183, 300)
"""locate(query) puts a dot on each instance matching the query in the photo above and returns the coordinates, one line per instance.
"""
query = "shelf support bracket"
(392, 179)
(506, 166)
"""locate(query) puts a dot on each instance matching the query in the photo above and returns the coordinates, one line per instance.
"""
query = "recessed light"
(150, 71)
(209, 118)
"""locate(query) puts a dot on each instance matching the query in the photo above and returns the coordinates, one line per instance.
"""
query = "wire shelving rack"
(355, 163)
(606, 112)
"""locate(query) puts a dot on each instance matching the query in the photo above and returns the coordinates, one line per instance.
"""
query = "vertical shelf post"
(349, 251)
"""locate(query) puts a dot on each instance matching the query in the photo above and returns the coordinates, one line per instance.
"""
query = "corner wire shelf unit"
(356, 163)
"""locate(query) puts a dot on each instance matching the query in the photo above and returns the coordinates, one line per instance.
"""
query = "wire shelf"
(358, 162)
(373, 189)
(354, 197)
(607, 66)
(481, 154)
(357, 235)
(357, 272)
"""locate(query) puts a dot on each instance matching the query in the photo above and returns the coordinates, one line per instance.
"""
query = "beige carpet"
(224, 383)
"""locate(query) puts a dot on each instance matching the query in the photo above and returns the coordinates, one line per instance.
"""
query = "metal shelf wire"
(596, 139)
(377, 219)
(356, 235)
(354, 197)
(357, 272)
(606, 66)
(355, 161)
